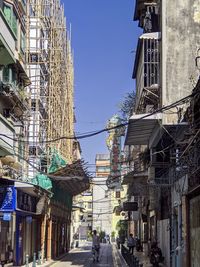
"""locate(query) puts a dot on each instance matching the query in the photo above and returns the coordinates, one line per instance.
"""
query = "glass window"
(6, 74)
(14, 23)
(103, 169)
(8, 13)
(11, 17)
(22, 42)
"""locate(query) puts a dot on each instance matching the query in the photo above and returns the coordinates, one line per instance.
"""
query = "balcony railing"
(147, 72)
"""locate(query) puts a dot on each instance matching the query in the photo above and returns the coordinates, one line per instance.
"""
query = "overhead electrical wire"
(94, 133)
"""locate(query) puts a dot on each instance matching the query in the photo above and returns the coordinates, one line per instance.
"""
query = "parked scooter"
(156, 255)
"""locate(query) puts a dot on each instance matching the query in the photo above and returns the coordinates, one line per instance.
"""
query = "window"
(8, 14)
(103, 169)
(33, 105)
(32, 151)
(22, 42)
(10, 17)
(117, 194)
(6, 74)
(9, 74)
(14, 23)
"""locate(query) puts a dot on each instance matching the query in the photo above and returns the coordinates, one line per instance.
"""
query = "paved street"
(83, 257)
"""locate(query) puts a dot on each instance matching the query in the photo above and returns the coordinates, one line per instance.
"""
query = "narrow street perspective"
(100, 133)
(82, 257)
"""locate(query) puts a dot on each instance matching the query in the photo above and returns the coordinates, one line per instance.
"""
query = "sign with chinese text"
(7, 198)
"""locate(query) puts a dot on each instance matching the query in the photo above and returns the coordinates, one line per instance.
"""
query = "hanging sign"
(7, 198)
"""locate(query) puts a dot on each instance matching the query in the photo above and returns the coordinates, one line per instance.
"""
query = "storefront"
(7, 223)
(20, 223)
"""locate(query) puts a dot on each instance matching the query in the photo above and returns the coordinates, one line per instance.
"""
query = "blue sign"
(7, 216)
(7, 198)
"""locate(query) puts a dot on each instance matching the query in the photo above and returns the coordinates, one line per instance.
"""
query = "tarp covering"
(57, 162)
(43, 181)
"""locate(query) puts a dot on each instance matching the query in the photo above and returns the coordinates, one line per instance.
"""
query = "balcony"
(147, 73)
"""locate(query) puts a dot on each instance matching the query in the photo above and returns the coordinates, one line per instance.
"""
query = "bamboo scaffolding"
(50, 68)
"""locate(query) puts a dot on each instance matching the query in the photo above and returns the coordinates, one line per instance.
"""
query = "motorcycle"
(156, 255)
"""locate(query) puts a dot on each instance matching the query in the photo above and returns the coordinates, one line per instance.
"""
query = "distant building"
(102, 207)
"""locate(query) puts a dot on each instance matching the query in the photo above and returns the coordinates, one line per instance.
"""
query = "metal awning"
(134, 176)
(140, 128)
(138, 187)
(74, 178)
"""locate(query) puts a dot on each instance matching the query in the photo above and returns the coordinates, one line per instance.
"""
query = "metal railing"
(130, 259)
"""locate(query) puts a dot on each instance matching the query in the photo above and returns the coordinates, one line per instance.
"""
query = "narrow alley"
(99, 133)
(82, 256)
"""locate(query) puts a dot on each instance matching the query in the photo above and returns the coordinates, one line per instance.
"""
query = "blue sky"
(103, 38)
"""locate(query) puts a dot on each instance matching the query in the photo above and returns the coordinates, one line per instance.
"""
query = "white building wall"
(102, 208)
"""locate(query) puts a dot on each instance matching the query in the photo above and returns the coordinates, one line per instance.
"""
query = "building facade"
(102, 207)
(163, 88)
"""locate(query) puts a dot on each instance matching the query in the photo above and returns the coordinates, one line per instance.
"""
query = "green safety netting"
(43, 181)
(57, 162)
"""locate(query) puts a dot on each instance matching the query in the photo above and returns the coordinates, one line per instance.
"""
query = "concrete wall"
(180, 42)
(163, 232)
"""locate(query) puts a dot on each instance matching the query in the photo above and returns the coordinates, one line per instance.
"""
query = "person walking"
(131, 244)
(95, 246)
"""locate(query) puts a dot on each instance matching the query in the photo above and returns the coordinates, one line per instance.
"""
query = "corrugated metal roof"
(140, 128)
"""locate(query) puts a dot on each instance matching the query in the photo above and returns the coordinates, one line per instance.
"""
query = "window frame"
(12, 15)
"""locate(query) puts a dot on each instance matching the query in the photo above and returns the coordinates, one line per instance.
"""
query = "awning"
(140, 128)
(139, 187)
(74, 178)
(134, 176)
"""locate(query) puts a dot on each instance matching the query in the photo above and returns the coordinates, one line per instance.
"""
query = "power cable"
(94, 133)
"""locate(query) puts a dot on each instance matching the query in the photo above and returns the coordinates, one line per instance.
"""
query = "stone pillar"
(49, 239)
(43, 232)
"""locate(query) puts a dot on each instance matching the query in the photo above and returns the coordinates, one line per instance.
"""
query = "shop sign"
(7, 198)
(7, 216)
(130, 206)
